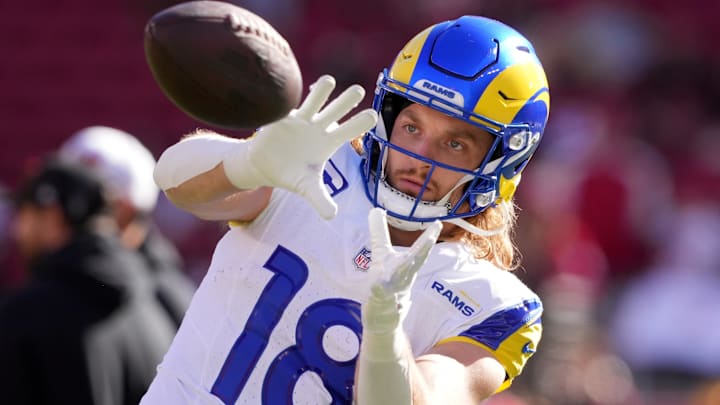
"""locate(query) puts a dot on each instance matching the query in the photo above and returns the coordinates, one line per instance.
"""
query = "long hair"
(499, 249)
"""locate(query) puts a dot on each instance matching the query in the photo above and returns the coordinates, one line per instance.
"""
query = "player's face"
(439, 137)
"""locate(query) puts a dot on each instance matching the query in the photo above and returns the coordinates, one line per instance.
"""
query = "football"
(222, 64)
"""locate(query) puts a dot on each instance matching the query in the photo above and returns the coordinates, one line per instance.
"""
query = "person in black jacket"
(86, 328)
(125, 167)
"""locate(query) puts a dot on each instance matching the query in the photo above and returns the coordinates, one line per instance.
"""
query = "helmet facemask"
(511, 87)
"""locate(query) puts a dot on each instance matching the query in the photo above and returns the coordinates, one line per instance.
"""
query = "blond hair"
(499, 249)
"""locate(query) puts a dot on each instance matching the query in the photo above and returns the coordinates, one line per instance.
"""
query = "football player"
(373, 269)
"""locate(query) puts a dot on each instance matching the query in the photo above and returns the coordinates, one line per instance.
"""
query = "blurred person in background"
(125, 167)
(7, 271)
(665, 321)
(85, 329)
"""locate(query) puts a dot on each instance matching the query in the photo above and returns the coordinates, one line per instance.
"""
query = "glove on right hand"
(291, 153)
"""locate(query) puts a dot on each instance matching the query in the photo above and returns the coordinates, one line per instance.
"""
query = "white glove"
(389, 298)
(383, 375)
(291, 152)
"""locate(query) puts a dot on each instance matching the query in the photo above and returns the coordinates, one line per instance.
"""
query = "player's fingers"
(377, 291)
(340, 106)
(354, 127)
(379, 234)
(424, 244)
(405, 272)
(319, 93)
(412, 261)
(316, 194)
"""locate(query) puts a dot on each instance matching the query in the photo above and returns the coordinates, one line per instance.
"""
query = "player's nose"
(426, 148)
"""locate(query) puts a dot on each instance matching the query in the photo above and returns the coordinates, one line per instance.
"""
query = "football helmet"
(480, 71)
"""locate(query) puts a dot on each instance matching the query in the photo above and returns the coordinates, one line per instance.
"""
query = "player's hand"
(395, 272)
(291, 152)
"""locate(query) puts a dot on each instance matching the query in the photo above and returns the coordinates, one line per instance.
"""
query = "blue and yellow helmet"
(475, 69)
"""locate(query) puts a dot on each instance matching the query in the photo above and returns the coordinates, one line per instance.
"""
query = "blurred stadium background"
(620, 208)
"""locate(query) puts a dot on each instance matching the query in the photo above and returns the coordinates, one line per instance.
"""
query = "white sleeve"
(383, 375)
(190, 157)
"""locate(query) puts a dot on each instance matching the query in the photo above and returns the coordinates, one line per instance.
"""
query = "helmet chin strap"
(474, 229)
(396, 201)
(389, 196)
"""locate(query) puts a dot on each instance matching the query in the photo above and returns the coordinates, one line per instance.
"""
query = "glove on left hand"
(396, 272)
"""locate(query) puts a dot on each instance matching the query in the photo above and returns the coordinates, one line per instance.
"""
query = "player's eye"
(411, 129)
(455, 145)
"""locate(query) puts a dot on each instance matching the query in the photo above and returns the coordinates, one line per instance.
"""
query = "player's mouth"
(412, 186)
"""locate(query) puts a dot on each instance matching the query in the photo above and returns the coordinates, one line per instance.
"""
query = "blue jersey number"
(290, 274)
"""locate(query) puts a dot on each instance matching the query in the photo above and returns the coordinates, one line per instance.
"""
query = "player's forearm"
(441, 379)
(192, 175)
(388, 372)
(384, 370)
(212, 197)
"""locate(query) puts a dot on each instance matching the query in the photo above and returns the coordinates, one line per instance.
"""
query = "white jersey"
(276, 319)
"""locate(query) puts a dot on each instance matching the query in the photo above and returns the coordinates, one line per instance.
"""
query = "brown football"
(222, 64)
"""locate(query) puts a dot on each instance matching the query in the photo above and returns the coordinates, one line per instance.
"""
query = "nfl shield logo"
(362, 259)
